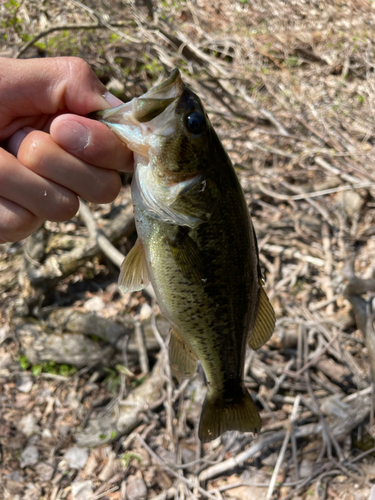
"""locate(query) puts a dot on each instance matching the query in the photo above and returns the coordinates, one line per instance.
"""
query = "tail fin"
(219, 416)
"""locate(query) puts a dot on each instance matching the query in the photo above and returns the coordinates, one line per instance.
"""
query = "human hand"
(48, 155)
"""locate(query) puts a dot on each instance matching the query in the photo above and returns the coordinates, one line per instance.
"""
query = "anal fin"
(134, 273)
(181, 358)
(264, 323)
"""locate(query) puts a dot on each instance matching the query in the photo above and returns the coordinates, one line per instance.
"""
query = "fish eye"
(196, 123)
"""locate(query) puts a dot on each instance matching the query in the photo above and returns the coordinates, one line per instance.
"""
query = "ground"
(88, 408)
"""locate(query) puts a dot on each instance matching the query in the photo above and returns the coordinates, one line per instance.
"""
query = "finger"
(42, 197)
(41, 155)
(91, 141)
(33, 87)
(16, 223)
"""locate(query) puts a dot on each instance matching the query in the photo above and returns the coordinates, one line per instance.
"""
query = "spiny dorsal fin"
(264, 323)
(134, 273)
(181, 358)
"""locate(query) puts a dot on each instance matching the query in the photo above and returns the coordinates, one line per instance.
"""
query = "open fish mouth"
(156, 100)
(151, 114)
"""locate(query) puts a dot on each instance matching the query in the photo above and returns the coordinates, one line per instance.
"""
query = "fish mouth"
(151, 114)
(172, 87)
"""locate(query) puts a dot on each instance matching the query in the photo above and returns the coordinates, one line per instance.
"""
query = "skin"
(50, 153)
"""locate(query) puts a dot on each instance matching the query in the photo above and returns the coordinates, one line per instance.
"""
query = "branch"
(161, 462)
(267, 114)
(280, 458)
(104, 244)
(84, 26)
(56, 267)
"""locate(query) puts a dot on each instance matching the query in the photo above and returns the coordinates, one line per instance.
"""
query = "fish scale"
(197, 246)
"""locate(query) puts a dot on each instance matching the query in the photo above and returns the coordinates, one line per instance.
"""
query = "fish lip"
(172, 87)
(142, 121)
(158, 99)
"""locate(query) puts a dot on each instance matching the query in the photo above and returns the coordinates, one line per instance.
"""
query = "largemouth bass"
(197, 246)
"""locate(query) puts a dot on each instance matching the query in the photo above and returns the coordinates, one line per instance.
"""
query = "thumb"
(31, 87)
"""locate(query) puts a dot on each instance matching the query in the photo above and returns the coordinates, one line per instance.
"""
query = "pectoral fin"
(264, 323)
(181, 358)
(197, 199)
(158, 198)
(187, 256)
(134, 273)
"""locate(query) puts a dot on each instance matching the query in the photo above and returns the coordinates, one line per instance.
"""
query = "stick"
(83, 26)
(238, 460)
(316, 358)
(104, 244)
(141, 344)
(267, 114)
(290, 253)
(280, 458)
(336, 171)
(332, 190)
(161, 462)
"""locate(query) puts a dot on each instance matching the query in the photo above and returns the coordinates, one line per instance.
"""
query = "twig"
(281, 379)
(333, 190)
(316, 358)
(323, 303)
(268, 149)
(362, 455)
(280, 458)
(101, 495)
(328, 435)
(324, 213)
(161, 462)
(104, 244)
(306, 482)
(357, 394)
(336, 171)
(231, 463)
(56, 267)
(64, 27)
(166, 495)
(267, 114)
(142, 350)
(293, 437)
(291, 253)
(168, 374)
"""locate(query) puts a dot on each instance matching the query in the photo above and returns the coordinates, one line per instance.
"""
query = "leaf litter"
(88, 406)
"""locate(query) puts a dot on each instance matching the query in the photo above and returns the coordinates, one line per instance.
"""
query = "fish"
(197, 246)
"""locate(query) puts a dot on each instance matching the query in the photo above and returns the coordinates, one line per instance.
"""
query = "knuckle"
(4, 170)
(26, 225)
(31, 152)
(16, 222)
(106, 187)
(78, 67)
(65, 208)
